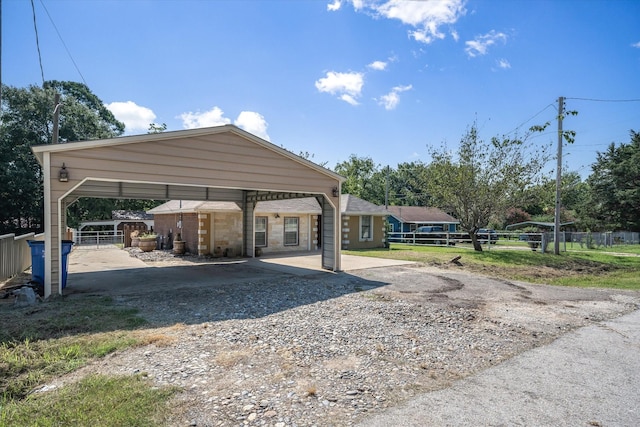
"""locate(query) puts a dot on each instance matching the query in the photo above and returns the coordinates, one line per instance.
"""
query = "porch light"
(334, 191)
(63, 175)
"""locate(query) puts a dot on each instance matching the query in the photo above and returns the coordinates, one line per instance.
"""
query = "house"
(221, 163)
(363, 223)
(279, 225)
(405, 219)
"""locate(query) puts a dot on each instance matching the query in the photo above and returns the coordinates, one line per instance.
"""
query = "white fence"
(96, 239)
(515, 240)
(15, 253)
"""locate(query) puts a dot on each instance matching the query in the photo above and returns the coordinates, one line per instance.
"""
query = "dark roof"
(133, 215)
(352, 205)
(420, 214)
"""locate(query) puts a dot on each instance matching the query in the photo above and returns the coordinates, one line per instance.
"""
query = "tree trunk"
(477, 246)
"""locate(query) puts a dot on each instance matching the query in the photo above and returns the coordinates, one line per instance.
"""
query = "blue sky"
(381, 79)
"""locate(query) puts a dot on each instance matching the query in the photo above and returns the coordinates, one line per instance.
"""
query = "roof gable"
(352, 205)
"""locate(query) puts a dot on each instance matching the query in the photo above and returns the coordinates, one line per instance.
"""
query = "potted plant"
(148, 241)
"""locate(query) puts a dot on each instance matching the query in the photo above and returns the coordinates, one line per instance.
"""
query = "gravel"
(332, 349)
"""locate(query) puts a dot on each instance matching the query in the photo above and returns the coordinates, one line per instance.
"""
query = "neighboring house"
(405, 219)
(280, 225)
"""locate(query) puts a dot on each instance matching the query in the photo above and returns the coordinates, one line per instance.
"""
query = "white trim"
(46, 171)
(366, 239)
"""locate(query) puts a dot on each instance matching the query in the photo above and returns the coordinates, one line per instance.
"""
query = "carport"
(221, 163)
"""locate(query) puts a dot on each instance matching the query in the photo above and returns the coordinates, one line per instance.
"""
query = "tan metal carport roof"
(221, 163)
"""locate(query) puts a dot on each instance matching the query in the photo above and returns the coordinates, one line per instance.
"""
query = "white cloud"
(134, 116)
(348, 86)
(503, 63)
(253, 123)
(425, 16)
(481, 44)
(250, 121)
(213, 117)
(391, 100)
(378, 65)
(331, 7)
(636, 45)
(349, 99)
(455, 35)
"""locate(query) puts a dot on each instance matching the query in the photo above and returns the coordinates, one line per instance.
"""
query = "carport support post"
(47, 223)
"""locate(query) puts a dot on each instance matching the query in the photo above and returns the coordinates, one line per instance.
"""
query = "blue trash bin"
(66, 250)
(37, 260)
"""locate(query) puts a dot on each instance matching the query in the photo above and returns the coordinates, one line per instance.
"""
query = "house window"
(261, 231)
(290, 231)
(366, 228)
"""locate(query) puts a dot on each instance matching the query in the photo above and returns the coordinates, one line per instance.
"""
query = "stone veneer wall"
(227, 234)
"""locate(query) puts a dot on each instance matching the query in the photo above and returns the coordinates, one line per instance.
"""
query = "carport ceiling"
(138, 190)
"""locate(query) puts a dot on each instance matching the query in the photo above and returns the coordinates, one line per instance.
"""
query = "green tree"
(483, 179)
(408, 185)
(614, 188)
(27, 119)
(540, 202)
(364, 179)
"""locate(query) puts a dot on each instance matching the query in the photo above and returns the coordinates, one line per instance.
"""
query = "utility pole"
(56, 117)
(386, 189)
(556, 224)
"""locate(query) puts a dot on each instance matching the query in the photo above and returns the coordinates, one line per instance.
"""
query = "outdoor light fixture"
(63, 175)
(277, 215)
(334, 191)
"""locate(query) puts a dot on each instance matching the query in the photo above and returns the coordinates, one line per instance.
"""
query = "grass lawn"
(617, 267)
(45, 341)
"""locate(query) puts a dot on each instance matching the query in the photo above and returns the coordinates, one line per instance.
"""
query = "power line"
(35, 26)
(605, 100)
(531, 118)
(63, 43)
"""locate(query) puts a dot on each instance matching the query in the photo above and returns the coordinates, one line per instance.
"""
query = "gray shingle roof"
(352, 205)
(420, 214)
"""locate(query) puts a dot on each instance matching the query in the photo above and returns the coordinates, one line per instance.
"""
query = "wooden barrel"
(178, 247)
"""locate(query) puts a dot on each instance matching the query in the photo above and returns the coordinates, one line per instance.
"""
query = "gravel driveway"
(325, 349)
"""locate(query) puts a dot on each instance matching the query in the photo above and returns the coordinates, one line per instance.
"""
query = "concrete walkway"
(589, 377)
(112, 270)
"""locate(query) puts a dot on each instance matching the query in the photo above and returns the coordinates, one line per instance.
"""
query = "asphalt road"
(589, 377)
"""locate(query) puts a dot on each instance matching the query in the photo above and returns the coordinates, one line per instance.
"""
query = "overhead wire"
(63, 43)
(35, 26)
(529, 119)
(605, 100)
